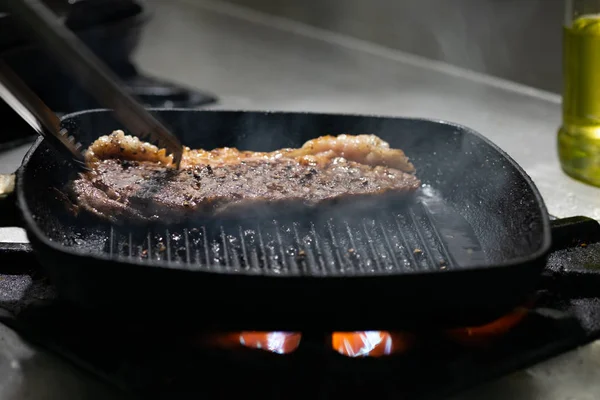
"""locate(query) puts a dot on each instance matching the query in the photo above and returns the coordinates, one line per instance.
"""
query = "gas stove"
(112, 30)
(174, 362)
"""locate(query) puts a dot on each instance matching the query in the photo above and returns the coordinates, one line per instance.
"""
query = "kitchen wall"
(518, 40)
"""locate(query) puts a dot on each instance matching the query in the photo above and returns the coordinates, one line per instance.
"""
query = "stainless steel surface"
(255, 61)
(516, 40)
(28, 373)
(90, 73)
(33, 110)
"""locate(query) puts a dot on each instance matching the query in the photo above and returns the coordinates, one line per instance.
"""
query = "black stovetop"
(162, 362)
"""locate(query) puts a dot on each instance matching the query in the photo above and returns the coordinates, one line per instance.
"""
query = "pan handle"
(573, 232)
(9, 214)
(579, 275)
(11, 253)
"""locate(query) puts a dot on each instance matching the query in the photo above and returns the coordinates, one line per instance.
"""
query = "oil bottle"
(579, 134)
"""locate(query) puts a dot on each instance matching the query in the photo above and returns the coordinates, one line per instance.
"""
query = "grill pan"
(470, 247)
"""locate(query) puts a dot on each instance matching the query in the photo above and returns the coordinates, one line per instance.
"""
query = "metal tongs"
(42, 119)
(90, 73)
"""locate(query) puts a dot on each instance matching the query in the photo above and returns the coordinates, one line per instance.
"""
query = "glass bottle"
(579, 135)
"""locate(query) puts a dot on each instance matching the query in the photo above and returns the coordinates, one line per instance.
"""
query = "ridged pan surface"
(476, 208)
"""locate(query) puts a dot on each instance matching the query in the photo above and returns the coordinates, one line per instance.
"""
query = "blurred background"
(513, 39)
(493, 65)
(518, 40)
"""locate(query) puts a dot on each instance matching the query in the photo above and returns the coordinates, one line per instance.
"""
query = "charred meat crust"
(227, 183)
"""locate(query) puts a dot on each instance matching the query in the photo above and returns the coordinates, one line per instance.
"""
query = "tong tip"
(177, 158)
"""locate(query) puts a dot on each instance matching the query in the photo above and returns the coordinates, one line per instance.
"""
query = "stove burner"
(162, 361)
(488, 333)
(158, 93)
(370, 343)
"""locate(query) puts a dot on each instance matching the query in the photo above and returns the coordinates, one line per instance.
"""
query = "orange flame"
(275, 342)
(370, 343)
(484, 334)
(367, 343)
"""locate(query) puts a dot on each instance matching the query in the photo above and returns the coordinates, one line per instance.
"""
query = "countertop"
(256, 62)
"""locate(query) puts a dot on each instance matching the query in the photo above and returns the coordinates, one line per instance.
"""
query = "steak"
(130, 180)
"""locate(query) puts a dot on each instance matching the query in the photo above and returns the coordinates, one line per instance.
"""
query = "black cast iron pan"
(471, 246)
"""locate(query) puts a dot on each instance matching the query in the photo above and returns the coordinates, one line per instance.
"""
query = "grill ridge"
(130, 244)
(442, 246)
(410, 259)
(358, 252)
(390, 241)
(111, 242)
(427, 253)
(246, 261)
(334, 246)
(186, 238)
(317, 248)
(149, 246)
(168, 246)
(371, 247)
(304, 253)
(206, 249)
(261, 248)
(224, 246)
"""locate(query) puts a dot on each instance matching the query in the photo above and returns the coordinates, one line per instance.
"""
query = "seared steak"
(134, 181)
